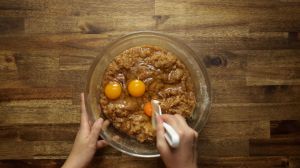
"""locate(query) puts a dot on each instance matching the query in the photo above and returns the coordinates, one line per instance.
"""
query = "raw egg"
(148, 109)
(113, 90)
(136, 88)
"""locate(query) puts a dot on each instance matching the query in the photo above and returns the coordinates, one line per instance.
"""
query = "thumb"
(161, 142)
(101, 144)
(96, 128)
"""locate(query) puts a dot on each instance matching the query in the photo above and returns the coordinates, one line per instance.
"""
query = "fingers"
(170, 119)
(96, 128)
(180, 126)
(161, 142)
(84, 123)
(90, 124)
(101, 144)
(105, 125)
(181, 121)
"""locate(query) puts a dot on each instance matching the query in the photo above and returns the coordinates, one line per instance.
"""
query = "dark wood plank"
(274, 147)
(294, 162)
(273, 67)
(255, 111)
(31, 150)
(285, 128)
(31, 163)
(99, 162)
(60, 132)
(244, 129)
(73, 62)
(223, 147)
(127, 161)
(56, 43)
(38, 69)
(12, 25)
(257, 94)
(39, 132)
(249, 162)
(35, 93)
(273, 76)
(88, 24)
(275, 26)
(39, 112)
(43, 150)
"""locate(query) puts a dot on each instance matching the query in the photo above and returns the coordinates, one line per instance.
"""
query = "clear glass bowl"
(193, 62)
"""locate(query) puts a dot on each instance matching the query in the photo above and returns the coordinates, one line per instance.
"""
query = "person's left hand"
(86, 141)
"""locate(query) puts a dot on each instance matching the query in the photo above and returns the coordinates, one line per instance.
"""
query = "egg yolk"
(136, 88)
(148, 109)
(113, 90)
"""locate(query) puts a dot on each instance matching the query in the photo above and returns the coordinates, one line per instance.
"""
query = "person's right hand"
(185, 155)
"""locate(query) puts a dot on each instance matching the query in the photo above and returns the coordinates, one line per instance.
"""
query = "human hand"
(86, 141)
(185, 155)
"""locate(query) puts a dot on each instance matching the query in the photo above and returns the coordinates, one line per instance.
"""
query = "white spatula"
(171, 135)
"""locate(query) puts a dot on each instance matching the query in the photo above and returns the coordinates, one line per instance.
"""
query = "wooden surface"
(251, 49)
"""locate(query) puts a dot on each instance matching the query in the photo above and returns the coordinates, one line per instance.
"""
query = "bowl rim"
(128, 35)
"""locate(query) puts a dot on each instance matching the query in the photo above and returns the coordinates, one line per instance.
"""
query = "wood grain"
(35, 93)
(294, 162)
(250, 50)
(39, 112)
(12, 25)
(249, 162)
(99, 162)
(254, 111)
(237, 129)
(274, 147)
(39, 132)
(285, 128)
(43, 150)
(223, 147)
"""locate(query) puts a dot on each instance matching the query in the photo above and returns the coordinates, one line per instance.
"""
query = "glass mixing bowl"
(193, 62)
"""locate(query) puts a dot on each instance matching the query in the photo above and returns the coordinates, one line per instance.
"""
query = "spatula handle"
(171, 135)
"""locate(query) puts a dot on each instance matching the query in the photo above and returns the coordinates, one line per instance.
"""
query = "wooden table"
(251, 50)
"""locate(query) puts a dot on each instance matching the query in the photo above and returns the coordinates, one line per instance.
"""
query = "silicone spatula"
(171, 135)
